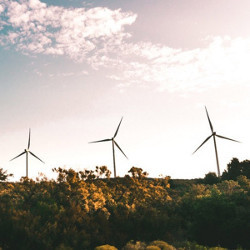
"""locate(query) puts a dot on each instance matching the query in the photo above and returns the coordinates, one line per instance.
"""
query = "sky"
(70, 70)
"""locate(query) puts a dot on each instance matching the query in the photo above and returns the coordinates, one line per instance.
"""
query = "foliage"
(154, 245)
(222, 217)
(86, 209)
(86, 175)
(138, 173)
(162, 245)
(211, 178)
(3, 175)
(106, 247)
(236, 168)
(76, 211)
(187, 245)
(135, 245)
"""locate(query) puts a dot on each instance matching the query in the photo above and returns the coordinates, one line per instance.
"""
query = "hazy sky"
(69, 70)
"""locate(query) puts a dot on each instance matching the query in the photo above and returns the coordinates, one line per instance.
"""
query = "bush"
(211, 178)
(106, 247)
(152, 248)
(135, 246)
(162, 245)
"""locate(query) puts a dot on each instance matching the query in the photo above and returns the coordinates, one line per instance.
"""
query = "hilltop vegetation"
(87, 209)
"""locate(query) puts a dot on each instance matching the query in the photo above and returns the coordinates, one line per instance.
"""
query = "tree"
(138, 173)
(233, 169)
(211, 178)
(102, 171)
(3, 175)
(246, 168)
(236, 168)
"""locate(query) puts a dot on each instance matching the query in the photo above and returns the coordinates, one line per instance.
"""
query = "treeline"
(86, 209)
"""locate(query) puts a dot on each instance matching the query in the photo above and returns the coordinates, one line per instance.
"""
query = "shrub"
(162, 245)
(152, 248)
(135, 246)
(106, 247)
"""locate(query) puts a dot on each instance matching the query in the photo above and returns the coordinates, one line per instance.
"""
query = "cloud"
(223, 61)
(1, 8)
(98, 37)
(35, 27)
(2, 22)
(69, 74)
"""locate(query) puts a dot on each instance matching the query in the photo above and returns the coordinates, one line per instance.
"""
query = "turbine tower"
(214, 135)
(114, 143)
(27, 151)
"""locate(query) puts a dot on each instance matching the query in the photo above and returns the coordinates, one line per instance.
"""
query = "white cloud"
(69, 74)
(2, 22)
(75, 32)
(97, 35)
(1, 8)
(223, 61)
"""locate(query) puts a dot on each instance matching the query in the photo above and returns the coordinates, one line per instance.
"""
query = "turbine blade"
(220, 136)
(101, 141)
(36, 157)
(210, 123)
(120, 149)
(117, 128)
(18, 156)
(29, 140)
(203, 143)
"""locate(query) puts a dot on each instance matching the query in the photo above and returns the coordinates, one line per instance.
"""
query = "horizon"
(70, 70)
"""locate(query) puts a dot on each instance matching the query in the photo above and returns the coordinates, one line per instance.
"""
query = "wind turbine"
(215, 147)
(27, 151)
(114, 143)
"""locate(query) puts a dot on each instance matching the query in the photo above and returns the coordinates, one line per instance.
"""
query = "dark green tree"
(211, 178)
(246, 168)
(236, 168)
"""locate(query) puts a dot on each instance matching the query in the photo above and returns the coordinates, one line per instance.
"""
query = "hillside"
(82, 210)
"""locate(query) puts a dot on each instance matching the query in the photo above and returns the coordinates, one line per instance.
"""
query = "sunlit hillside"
(88, 209)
